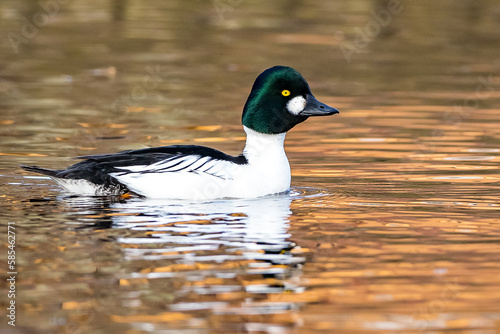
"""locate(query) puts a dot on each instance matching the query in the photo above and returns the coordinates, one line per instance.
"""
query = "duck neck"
(263, 146)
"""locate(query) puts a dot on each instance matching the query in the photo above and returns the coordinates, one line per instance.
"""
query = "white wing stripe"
(142, 168)
(191, 163)
(200, 162)
(218, 170)
(166, 164)
(177, 165)
(210, 165)
(137, 168)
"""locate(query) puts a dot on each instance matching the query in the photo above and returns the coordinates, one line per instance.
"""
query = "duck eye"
(286, 92)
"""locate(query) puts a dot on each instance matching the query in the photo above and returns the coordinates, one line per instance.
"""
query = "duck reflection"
(179, 229)
(231, 258)
(250, 224)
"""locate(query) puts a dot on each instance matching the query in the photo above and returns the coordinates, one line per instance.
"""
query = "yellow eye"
(286, 92)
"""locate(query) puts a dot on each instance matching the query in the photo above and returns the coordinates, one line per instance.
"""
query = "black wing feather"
(97, 168)
(149, 156)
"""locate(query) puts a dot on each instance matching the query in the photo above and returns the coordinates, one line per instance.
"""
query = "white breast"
(268, 170)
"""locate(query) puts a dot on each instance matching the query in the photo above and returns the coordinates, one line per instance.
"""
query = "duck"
(280, 99)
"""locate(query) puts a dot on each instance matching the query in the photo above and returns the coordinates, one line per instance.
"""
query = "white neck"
(268, 170)
(261, 146)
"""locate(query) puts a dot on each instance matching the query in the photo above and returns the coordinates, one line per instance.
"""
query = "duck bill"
(315, 108)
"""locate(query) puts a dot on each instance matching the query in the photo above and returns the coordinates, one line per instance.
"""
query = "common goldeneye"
(279, 100)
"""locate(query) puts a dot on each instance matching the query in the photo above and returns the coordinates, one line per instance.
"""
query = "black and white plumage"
(101, 174)
(183, 172)
(280, 99)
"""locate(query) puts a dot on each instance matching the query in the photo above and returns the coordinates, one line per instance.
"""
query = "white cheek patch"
(296, 105)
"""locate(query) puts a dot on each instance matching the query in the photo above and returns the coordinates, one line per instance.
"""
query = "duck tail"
(40, 170)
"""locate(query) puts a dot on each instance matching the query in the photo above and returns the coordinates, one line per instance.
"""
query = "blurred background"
(393, 222)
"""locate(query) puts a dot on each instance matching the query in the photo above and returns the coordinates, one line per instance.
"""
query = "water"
(392, 224)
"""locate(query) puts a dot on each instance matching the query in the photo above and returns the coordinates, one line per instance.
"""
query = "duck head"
(279, 100)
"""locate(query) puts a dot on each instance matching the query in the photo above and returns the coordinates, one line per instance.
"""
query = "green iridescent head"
(279, 100)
